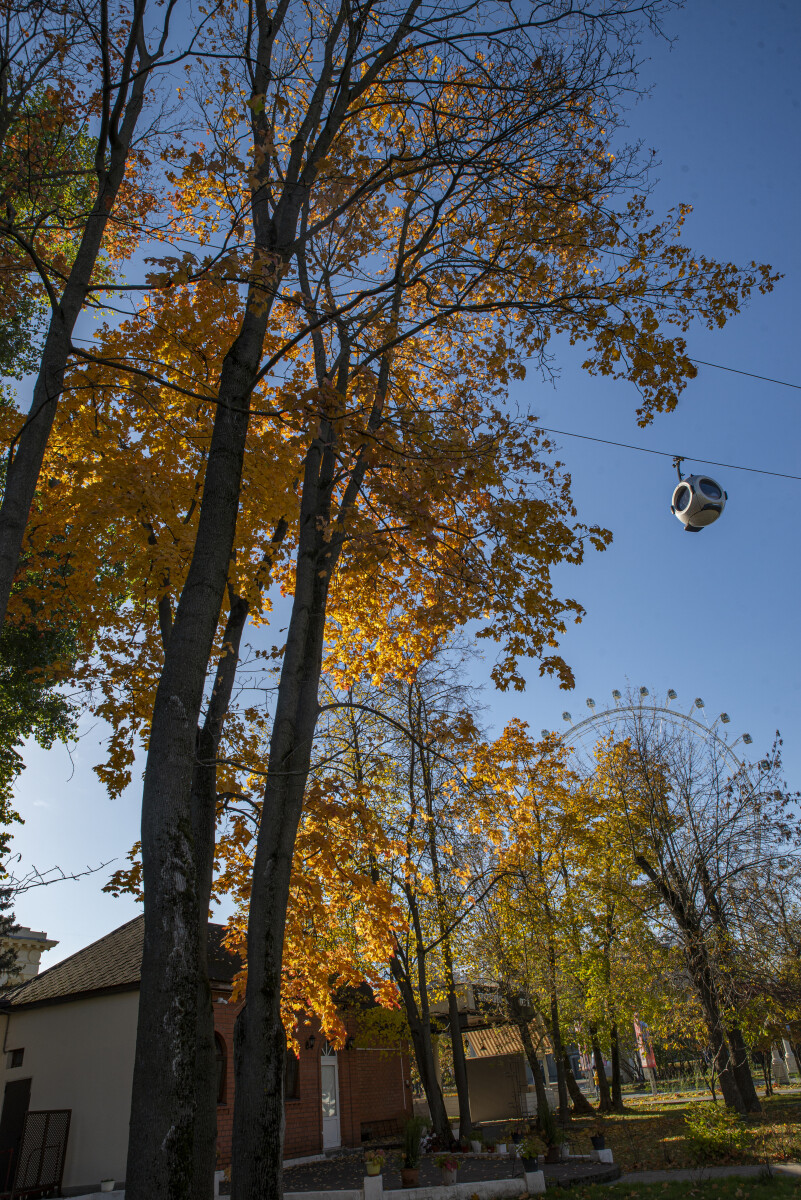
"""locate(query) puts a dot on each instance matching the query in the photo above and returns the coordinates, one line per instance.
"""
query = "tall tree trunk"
(581, 1105)
(161, 1142)
(604, 1098)
(521, 1020)
(204, 803)
(617, 1087)
(524, 1030)
(559, 1056)
(459, 1060)
(742, 1071)
(260, 1045)
(436, 1101)
(423, 1046)
(703, 979)
(204, 809)
(257, 1166)
(22, 476)
(701, 974)
(260, 1042)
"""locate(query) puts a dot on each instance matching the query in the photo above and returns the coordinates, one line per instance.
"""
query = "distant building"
(28, 945)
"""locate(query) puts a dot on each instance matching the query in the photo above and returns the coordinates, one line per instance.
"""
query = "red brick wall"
(373, 1086)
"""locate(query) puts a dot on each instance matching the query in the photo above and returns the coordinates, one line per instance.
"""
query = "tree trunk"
(704, 981)
(260, 1043)
(581, 1105)
(617, 1088)
(161, 1141)
(559, 1056)
(259, 1040)
(701, 974)
(604, 1098)
(204, 804)
(423, 1046)
(531, 1054)
(742, 1071)
(459, 1062)
(204, 812)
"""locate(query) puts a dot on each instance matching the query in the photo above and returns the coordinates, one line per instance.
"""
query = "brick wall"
(373, 1086)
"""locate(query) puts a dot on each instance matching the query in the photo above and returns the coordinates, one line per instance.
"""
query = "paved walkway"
(699, 1174)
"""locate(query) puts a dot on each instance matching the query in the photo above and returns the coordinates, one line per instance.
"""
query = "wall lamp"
(310, 1041)
(350, 1041)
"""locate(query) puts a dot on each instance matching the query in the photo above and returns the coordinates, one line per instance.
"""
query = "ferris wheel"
(635, 709)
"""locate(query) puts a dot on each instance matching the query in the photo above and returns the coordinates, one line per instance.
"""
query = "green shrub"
(412, 1136)
(715, 1132)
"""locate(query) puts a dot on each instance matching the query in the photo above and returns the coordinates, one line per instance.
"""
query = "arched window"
(222, 1063)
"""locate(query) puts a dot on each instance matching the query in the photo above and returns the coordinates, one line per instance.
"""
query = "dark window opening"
(222, 1064)
(15, 1058)
(711, 489)
(291, 1076)
(682, 498)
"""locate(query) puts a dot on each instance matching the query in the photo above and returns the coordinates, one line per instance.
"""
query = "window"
(15, 1058)
(291, 1076)
(222, 1063)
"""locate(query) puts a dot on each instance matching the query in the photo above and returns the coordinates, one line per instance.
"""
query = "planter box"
(604, 1156)
(535, 1183)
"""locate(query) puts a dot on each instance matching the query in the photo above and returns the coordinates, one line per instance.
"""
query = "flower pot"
(410, 1176)
(501, 1147)
(476, 1146)
(552, 1154)
(448, 1177)
(373, 1169)
(598, 1141)
(107, 1185)
(530, 1164)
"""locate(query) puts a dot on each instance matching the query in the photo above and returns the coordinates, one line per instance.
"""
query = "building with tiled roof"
(70, 1037)
(111, 964)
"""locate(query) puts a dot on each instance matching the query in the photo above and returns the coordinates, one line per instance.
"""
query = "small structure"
(70, 1036)
(28, 945)
(499, 1076)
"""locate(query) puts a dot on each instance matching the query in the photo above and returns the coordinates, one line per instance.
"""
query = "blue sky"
(711, 615)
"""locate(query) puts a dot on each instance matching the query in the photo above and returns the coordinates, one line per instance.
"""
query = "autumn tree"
(406, 180)
(528, 930)
(411, 745)
(701, 826)
(73, 181)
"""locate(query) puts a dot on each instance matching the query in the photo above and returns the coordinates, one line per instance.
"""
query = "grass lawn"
(711, 1189)
(650, 1136)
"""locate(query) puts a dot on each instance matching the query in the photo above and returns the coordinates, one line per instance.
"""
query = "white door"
(329, 1079)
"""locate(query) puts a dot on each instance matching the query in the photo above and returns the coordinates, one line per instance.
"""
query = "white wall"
(80, 1055)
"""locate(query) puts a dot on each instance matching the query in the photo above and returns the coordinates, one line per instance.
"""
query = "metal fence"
(42, 1150)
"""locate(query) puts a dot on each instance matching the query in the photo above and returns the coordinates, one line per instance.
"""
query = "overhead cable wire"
(750, 374)
(709, 462)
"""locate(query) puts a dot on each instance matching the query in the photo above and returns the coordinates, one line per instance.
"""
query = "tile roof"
(111, 963)
(494, 1040)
